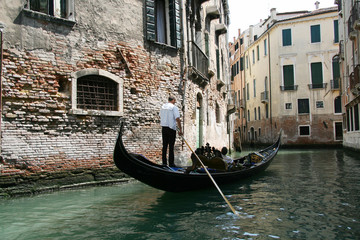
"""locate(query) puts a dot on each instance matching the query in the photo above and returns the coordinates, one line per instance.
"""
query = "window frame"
(53, 15)
(308, 106)
(92, 71)
(286, 37)
(173, 22)
(315, 33)
(303, 126)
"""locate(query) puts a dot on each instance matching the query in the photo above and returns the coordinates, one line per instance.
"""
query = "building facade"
(72, 71)
(349, 59)
(291, 79)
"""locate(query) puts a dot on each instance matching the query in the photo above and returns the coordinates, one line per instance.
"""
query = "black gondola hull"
(166, 179)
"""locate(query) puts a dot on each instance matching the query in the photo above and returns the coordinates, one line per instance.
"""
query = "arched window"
(96, 92)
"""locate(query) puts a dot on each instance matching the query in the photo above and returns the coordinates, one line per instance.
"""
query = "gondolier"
(169, 120)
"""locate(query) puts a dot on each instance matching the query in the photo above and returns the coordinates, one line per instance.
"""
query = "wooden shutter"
(315, 33)
(218, 63)
(150, 20)
(288, 71)
(336, 31)
(175, 23)
(286, 37)
(316, 75)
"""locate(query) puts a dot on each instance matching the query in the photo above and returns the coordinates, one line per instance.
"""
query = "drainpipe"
(2, 26)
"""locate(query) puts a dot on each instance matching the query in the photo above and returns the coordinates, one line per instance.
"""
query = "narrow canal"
(304, 194)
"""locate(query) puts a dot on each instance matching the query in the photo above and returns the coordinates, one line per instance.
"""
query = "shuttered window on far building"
(288, 71)
(316, 75)
(315, 33)
(286, 37)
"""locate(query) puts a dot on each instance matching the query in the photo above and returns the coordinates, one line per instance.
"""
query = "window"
(337, 104)
(217, 113)
(259, 113)
(255, 114)
(163, 22)
(258, 52)
(356, 117)
(303, 106)
(336, 73)
(319, 104)
(57, 11)
(288, 72)
(56, 8)
(241, 41)
(247, 91)
(267, 110)
(288, 105)
(336, 31)
(247, 61)
(96, 92)
(254, 87)
(315, 34)
(286, 37)
(265, 47)
(217, 63)
(242, 64)
(253, 56)
(304, 130)
(316, 75)
(248, 115)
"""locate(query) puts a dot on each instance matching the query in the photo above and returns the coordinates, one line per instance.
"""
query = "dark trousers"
(168, 136)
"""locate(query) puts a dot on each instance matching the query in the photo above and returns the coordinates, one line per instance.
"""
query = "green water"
(302, 195)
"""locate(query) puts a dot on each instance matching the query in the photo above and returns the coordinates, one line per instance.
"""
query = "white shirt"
(227, 159)
(168, 115)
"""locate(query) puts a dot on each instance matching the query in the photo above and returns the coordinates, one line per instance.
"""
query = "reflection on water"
(302, 195)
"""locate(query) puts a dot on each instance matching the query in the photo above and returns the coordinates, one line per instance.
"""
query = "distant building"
(290, 79)
(71, 71)
(349, 58)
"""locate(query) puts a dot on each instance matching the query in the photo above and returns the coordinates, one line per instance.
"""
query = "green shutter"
(316, 75)
(288, 71)
(315, 34)
(218, 63)
(175, 23)
(336, 70)
(336, 31)
(241, 64)
(150, 20)
(286, 37)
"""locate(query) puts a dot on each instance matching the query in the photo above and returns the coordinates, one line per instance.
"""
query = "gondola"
(178, 179)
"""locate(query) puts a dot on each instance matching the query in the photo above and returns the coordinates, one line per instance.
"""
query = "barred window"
(97, 93)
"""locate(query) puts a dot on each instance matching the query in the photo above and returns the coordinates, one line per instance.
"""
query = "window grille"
(97, 93)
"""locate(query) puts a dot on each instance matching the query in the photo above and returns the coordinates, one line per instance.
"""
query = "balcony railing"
(265, 97)
(335, 84)
(317, 85)
(289, 88)
(199, 60)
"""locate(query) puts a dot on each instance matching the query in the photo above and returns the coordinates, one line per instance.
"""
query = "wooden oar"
(212, 179)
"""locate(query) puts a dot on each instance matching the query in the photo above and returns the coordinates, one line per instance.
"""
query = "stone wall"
(40, 133)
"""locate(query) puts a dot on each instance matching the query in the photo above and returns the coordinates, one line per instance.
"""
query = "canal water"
(304, 194)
